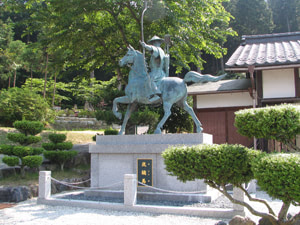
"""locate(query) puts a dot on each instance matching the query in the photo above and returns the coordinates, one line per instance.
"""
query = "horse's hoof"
(157, 131)
(199, 129)
(118, 115)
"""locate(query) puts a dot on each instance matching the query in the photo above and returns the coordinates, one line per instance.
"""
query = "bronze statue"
(171, 90)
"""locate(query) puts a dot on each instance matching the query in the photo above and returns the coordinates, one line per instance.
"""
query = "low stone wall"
(69, 123)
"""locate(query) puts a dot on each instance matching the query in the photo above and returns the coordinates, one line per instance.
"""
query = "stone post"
(130, 189)
(239, 195)
(44, 184)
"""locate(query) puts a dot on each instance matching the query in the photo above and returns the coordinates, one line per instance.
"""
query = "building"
(271, 63)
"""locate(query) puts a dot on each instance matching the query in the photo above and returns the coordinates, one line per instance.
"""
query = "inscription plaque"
(144, 172)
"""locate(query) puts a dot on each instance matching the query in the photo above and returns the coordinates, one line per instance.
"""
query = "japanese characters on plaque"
(144, 171)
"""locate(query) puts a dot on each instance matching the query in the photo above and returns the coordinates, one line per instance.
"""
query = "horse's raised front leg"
(190, 111)
(130, 109)
(119, 100)
(167, 113)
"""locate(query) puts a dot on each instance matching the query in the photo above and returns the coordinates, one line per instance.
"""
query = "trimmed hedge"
(57, 150)
(57, 138)
(32, 161)
(281, 123)
(22, 139)
(6, 149)
(29, 127)
(223, 164)
(111, 132)
(11, 160)
(279, 176)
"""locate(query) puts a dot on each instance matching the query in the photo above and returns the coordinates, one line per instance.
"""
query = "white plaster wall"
(278, 83)
(224, 100)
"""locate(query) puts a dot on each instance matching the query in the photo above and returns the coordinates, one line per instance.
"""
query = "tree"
(250, 18)
(17, 104)
(23, 155)
(280, 123)
(58, 150)
(285, 15)
(220, 165)
(97, 32)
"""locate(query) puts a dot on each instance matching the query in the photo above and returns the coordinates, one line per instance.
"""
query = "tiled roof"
(267, 50)
(219, 86)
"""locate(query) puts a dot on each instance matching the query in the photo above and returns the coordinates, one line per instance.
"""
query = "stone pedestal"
(113, 156)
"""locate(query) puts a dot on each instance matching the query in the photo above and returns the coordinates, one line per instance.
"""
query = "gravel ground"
(29, 212)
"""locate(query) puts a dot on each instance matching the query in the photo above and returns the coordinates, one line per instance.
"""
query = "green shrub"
(221, 164)
(32, 161)
(107, 116)
(281, 123)
(93, 138)
(57, 138)
(22, 151)
(60, 157)
(49, 146)
(279, 176)
(11, 160)
(37, 151)
(28, 127)
(17, 104)
(86, 114)
(64, 146)
(23, 139)
(111, 132)
(6, 149)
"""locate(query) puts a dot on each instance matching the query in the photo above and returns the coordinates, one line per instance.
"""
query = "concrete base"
(191, 211)
(113, 156)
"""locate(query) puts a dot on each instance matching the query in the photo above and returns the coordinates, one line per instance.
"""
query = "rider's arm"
(148, 47)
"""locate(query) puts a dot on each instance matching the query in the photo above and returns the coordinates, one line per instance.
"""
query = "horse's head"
(129, 57)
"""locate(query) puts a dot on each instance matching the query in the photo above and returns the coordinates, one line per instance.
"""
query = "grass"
(32, 178)
(76, 137)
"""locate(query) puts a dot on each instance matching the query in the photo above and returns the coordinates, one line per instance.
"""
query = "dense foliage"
(58, 151)
(17, 104)
(281, 123)
(279, 176)
(218, 164)
(23, 155)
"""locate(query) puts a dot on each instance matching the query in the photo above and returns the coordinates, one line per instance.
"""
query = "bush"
(279, 176)
(64, 146)
(60, 157)
(17, 104)
(86, 114)
(23, 139)
(57, 138)
(28, 127)
(111, 132)
(281, 123)
(11, 160)
(49, 146)
(22, 151)
(32, 161)
(57, 150)
(221, 164)
(6, 149)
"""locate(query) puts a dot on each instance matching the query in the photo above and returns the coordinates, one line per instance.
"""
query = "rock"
(289, 216)
(221, 223)
(20, 194)
(239, 220)
(264, 221)
(15, 194)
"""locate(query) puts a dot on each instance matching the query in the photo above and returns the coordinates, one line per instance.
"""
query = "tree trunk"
(31, 77)
(15, 77)
(8, 82)
(46, 71)
(54, 89)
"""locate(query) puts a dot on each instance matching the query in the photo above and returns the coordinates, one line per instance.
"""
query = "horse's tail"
(196, 77)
